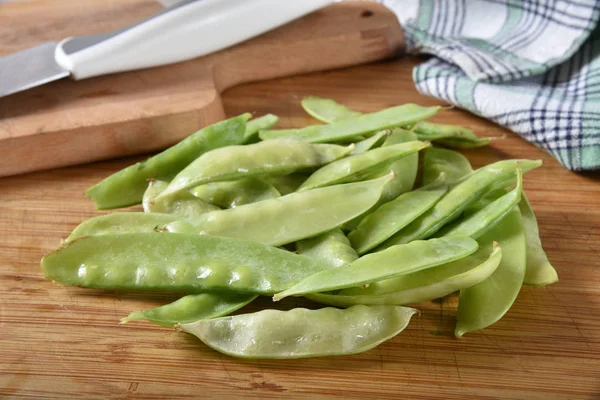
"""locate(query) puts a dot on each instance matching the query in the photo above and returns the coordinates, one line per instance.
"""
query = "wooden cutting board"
(68, 122)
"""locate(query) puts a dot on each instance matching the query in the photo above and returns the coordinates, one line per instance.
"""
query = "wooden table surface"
(59, 342)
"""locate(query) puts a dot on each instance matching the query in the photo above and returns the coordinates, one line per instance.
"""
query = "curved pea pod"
(349, 129)
(360, 166)
(438, 161)
(122, 222)
(330, 247)
(395, 261)
(264, 158)
(327, 110)
(255, 125)
(126, 187)
(450, 135)
(457, 199)
(176, 263)
(485, 303)
(287, 184)
(371, 142)
(288, 218)
(183, 204)
(388, 219)
(191, 308)
(539, 271)
(235, 193)
(426, 285)
(301, 333)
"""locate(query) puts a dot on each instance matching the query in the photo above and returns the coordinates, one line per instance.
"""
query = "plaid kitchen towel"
(532, 66)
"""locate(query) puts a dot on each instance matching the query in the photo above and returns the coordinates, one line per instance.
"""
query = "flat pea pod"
(388, 219)
(256, 124)
(485, 303)
(301, 333)
(177, 263)
(539, 271)
(126, 187)
(327, 110)
(395, 261)
(191, 308)
(371, 142)
(232, 194)
(330, 247)
(288, 218)
(357, 167)
(264, 158)
(286, 184)
(457, 199)
(426, 285)
(437, 161)
(183, 204)
(450, 135)
(349, 129)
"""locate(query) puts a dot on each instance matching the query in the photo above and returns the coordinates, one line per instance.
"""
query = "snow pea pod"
(485, 303)
(300, 332)
(235, 193)
(255, 125)
(264, 158)
(450, 135)
(191, 308)
(395, 261)
(183, 204)
(288, 218)
(438, 161)
(327, 110)
(331, 247)
(176, 263)
(349, 129)
(287, 184)
(126, 187)
(357, 167)
(426, 285)
(370, 142)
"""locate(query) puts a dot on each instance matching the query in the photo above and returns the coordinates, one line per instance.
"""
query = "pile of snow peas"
(363, 213)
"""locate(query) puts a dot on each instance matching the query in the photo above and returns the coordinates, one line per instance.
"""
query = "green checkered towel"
(532, 66)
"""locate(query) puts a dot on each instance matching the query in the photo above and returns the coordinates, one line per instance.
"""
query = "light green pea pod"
(457, 199)
(425, 285)
(255, 125)
(438, 161)
(288, 218)
(330, 247)
(485, 303)
(126, 187)
(395, 261)
(327, 110)
(539, 271)
(191, 308)
(301, 333)
(371, 142)
(450, 135)
(349, 129)
(183, 204)
(235, 193)
(264, 158)
(360, 166)
(388, 219)
(287, 184)
(176, 263)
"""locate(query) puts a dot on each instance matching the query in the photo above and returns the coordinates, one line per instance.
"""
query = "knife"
(186, 30)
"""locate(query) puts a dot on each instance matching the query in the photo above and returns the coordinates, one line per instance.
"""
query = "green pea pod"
(438, 161)
(301, 333)
(457, 199)
(388, 219)
(330, 247)
(370, 142)
(176, 263)
(255, 125)
(395, 261)
(327, 110)
(485, 303)
(126, 187)
(349, 129)
(426, 285)
(287, 184)
(539, 271)
(191, 308)
(357, 167)
(288, 218)
(183, 204)
(450, 135)
(480, 222)
(235, 193)
(263, 158)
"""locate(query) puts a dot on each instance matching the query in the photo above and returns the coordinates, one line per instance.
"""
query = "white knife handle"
(187, 30)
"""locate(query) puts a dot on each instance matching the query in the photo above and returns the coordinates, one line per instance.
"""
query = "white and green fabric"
(532, 66)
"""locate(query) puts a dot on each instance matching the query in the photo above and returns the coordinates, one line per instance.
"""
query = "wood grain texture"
(58, 342)
(140, 111)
